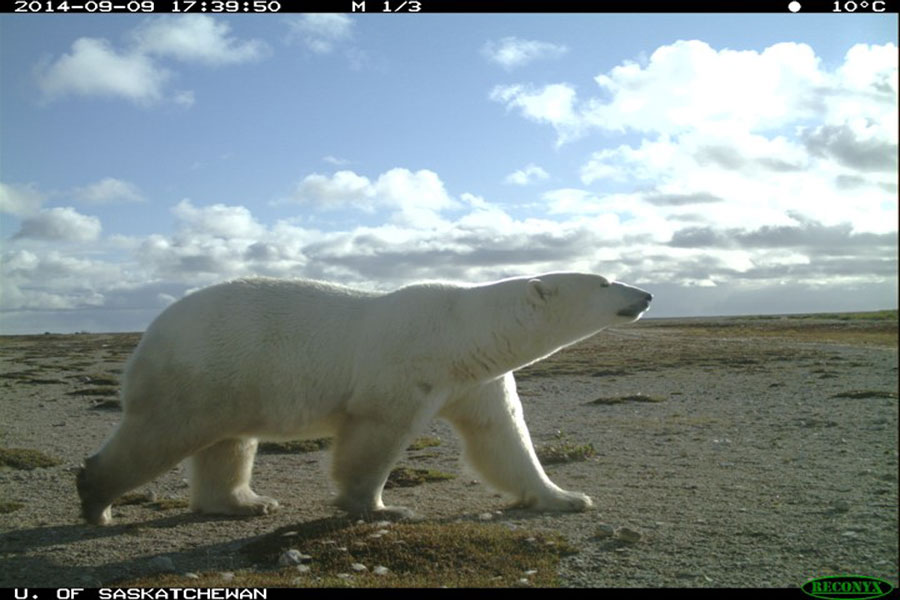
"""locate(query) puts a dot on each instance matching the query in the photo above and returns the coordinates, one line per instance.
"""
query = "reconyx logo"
(855, 587)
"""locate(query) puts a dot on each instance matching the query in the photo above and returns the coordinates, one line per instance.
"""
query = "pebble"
(381, 570)
(303, 568)
(359, 567)
(162, 563)
(628, 535)
(605, 531)
(191, 575)
(485, 516)
(292, 557)
(841, 506)
(227, 575)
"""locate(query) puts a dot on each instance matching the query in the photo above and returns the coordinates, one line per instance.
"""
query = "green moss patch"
(26, 459)
(628, 398)
(863, 394)
(564, 452)
(462, 554)
(96, 391)
(294, 447)
(8, 507)
(424, 442)
(409, 477)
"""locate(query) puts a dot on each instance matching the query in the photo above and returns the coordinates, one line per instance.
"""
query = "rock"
(604, 531)
(359, 567)
(627, 535)
(381, 570)
(293, 557)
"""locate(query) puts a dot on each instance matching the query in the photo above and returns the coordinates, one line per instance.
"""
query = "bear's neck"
(513, 340)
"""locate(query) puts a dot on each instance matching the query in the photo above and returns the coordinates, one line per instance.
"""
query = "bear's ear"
(538, 292)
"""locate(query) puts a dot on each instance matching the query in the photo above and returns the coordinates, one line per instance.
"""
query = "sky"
(729, 164)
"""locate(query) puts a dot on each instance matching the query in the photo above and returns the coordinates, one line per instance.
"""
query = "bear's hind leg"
(220, 480)
(498, 446)
(365, 449)
(133, 455)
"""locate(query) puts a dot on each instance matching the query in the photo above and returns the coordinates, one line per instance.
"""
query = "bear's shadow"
(17, 565)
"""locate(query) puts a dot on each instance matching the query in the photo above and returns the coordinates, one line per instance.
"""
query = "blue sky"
(731, 164)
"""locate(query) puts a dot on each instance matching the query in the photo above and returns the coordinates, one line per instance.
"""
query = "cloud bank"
(751, 176)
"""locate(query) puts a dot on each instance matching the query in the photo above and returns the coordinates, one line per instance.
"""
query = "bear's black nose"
(648, 297)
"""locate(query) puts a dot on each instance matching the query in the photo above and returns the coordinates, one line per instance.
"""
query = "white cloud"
(217, 220)
(512, 52)
(321, 32)
(405, 196)
(94, 68)
(185, 98)
(195, 38)
(20, 200)
(526, 176)
(343, 189)
(336, 161)
(109, 190)
(420, 196)
(60, 224)
(735, 138)
(554, 104)
(689, 86)
(871, 69)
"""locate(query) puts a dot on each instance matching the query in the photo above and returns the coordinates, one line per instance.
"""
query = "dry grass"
(459, 554)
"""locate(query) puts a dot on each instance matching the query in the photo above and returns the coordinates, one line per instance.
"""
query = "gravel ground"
(768, 456)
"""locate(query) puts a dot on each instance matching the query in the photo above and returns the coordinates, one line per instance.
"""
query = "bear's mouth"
(635, 309)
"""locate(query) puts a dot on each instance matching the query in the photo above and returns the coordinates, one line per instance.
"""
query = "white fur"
(276, 359)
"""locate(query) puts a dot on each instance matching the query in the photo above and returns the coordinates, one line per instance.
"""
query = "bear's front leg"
(365, 450)
(498, 446)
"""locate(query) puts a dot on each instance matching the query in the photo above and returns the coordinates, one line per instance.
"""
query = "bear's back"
(253, 324)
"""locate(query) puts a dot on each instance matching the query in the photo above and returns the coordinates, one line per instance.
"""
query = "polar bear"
(289, 359)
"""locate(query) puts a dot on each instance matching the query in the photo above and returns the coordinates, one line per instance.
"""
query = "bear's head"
(582, 304)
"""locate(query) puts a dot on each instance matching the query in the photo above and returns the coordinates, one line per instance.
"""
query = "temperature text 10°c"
(857, 5)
